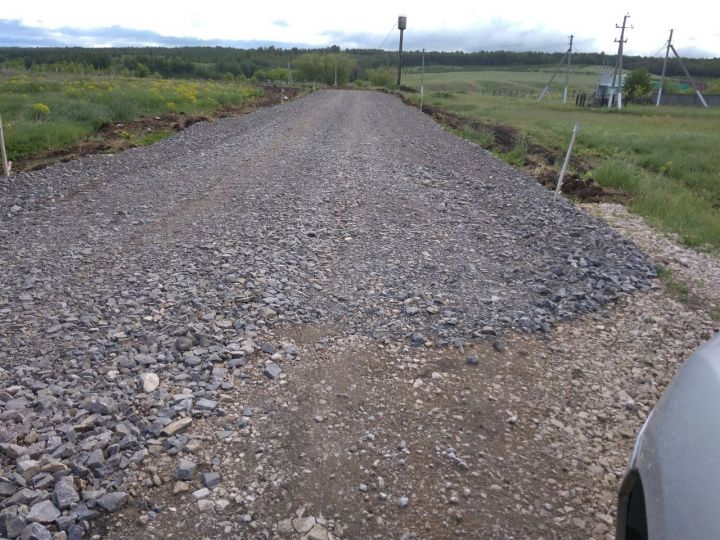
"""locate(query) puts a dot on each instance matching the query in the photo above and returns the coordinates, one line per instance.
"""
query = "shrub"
(39, 111)
(382, 76)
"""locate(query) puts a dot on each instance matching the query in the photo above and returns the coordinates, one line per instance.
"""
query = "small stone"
(181, 487)
(177, 427)
(183, 344)
(472, 360)
(267, 313)
(363, 487)
(103, 405)
(64, 494)
(285, 527)
(272, 371)
(206, 505)
(35, 531)
(27, 468)
(150, 382)
(14, 526)
(498, 345)
(303, 524)
(402, 502)
(75, 532)
(200, 493)
(113, 501)
(316, 533)
(42, 512)
(211, 479)
(186, 470)
(204, 404)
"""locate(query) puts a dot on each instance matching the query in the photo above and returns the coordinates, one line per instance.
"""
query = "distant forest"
(225, 62)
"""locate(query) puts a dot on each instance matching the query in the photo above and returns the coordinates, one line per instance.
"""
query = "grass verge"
(50, 117)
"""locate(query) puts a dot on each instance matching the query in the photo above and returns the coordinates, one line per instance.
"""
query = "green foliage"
(39, 111)
(216, 62)
(619, 175)
(382, 76)
(141, 70)
(318, 67)
(43, 112)
(274, 74)
(518, 155)
(638, 84)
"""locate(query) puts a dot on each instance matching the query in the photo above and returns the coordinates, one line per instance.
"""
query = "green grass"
(78, 106)
(665, 161)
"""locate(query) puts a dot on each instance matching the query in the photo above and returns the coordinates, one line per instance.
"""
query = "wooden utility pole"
(567, 70)
(422, 81)
(402, 24)
(662, 77)
(618, 84)
(671, 47)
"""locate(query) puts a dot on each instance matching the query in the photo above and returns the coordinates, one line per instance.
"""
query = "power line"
(386, 37)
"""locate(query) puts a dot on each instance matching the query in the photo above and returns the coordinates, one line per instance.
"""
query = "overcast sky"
(435, 25)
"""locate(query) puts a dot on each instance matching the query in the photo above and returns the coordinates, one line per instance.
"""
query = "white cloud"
(312, 22)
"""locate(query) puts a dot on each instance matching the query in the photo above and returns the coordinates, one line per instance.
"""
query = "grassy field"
(665, 162)
(43, 112)
(523, 83)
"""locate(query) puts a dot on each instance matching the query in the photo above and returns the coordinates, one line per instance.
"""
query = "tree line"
(320, 64)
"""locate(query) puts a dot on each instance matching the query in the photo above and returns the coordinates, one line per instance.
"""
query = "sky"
(447, 25)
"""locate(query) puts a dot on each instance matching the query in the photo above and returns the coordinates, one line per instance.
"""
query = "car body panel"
(677, 454)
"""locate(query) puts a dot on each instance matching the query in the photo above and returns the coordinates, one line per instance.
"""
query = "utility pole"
(422, 81)
(619, 65)
(402, 24)
(289, 74)
(690, 79)
(567, 70)
(662, 77)
(557, 70)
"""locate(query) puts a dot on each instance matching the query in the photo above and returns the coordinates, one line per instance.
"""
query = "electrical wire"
(660, 49)
(386, 37)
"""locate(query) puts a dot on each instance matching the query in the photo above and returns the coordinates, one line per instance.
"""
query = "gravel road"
(329, 317)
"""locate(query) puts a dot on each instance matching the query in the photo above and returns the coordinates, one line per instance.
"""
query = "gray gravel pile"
(135, 289)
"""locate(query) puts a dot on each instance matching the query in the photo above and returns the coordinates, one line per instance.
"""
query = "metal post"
(6, 167)
(402, 24)
(567, 70)
(567, 160)
(422, 81)
(662, 77)
(687, 74)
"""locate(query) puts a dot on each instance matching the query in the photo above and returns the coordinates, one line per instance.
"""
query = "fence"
(687, 100)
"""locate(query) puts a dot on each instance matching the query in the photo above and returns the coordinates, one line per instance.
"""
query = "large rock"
(150, 382)
(35, 531)
(64, 494)
(112, 502)
(177, 427)
(43, 512)
(186, 470)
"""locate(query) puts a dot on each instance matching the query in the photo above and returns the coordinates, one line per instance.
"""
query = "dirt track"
(348, 242)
